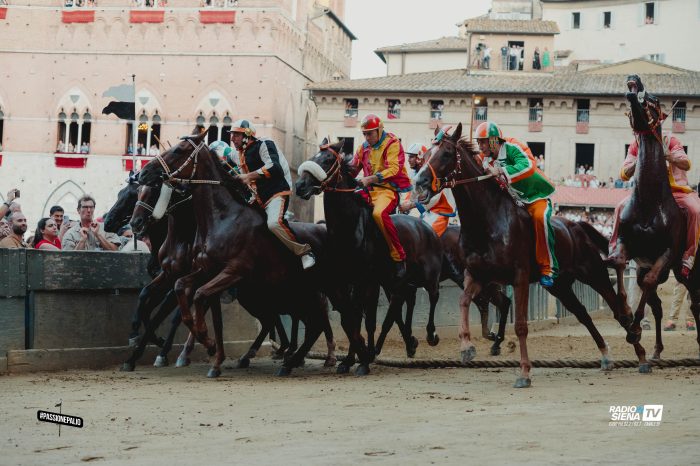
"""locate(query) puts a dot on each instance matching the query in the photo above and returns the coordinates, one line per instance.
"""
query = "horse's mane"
(469, 151)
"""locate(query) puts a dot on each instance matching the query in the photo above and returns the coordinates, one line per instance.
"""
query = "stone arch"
(76, 99)
(67, 193)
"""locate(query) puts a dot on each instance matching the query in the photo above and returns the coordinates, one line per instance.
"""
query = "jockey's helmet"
(416, 150)
(221, 149)
(489, 130)
(371, 122)
(243, 126)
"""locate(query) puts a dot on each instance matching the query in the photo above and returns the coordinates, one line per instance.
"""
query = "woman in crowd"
(46, 235)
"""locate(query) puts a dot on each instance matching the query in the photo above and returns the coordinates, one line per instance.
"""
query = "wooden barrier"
(80, 299)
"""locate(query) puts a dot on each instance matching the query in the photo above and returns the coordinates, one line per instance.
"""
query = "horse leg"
(393, 314)
(408, 323)
(433, 296)
(152, 325)
(282, 333)
(293, 338)
(330, 342)
(482, 302)
(352, 323)
(183, 290)
(313, 327)
(183, 358)
(162, 358)
(502, 303)
(471, 289)
(150, 296)
(369, 305)
(220, 357)
(562, 290)
(695, 309)
(521, 288)
(267, 324)
(657, 310)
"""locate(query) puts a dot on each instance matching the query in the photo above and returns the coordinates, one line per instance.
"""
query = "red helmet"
(371, 122)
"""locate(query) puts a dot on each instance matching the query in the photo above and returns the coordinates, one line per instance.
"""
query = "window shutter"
(657, 12)
(642, 13)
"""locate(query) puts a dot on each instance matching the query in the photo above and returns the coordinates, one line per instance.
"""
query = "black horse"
(356, 243)
(233, 247)
(652, 226)
(494, 230)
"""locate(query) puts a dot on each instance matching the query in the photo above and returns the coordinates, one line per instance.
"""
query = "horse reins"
(449, 181)
(171, 176)
(333, 173)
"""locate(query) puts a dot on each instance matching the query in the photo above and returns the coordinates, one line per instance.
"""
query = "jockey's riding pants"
(436, 221)
(384, 202)
(690, 203)
(277, 224)
(541, 213)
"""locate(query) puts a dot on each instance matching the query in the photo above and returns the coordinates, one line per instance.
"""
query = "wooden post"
(471, 123)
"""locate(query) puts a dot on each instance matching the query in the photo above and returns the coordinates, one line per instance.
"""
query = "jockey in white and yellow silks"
(441, 208)
(532, 187)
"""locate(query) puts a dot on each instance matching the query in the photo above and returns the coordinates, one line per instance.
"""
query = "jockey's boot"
(400, 268)
(308, 260)
(547, 281)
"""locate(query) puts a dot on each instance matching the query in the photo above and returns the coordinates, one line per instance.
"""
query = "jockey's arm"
(271, 160)
(521, 166)
(356, 163)
(630, 163)
(676, 155)
(392, 163)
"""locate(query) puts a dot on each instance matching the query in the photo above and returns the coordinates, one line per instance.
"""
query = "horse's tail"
(595, 236)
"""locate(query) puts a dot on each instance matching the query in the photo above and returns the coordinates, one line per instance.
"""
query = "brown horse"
(360, 252)
(233, 247)
(494, 230)
(652, 226)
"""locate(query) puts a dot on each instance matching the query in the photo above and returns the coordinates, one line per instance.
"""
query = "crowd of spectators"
(83, 148)
(58, 233)
(585, 178)
(602, 220)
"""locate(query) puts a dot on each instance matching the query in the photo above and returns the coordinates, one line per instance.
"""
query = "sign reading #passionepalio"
(57, 418)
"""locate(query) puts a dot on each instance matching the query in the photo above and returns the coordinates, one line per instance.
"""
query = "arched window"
(2, 119)
(73, 127)
(74, 132)
(214, 131)
(61, 145)
(84, 135)
(226, 129)
(155, 132)
(147, 135)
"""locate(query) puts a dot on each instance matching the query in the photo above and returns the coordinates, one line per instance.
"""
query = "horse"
(494, 230)
(652, 227)
(233, 247)
(157, 230)
(359, 249)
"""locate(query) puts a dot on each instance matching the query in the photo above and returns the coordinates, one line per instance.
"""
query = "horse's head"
(321, 171)
(153, 203)
(645, 110)
(120, 213)
(179, 161)
(441, 163)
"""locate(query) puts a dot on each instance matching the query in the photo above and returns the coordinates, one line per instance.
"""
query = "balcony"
(534, 124)
(678, 120)
(78, 16)
(146, 16)
(217, 16)
(3, 12)
(350, 119)
(582, 117)
(435, 119)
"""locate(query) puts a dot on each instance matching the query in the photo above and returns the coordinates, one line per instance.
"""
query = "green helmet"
(488, 129)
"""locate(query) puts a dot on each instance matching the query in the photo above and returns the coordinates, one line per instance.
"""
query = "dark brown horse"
(494, 230)
(233, 247)
(652, 226)
(361, 253)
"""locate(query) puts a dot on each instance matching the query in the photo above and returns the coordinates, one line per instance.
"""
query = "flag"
(124, 106)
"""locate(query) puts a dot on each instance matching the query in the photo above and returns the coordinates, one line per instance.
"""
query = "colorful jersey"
(386, 160)
(442, 204)
(521, 171)
(263, 157)
(674, 150)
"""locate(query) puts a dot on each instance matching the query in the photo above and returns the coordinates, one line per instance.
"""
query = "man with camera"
(88, 235)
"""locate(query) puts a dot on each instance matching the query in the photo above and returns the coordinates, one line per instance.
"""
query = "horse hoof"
(342, 369)
(633, 338)
(606, 364)
(182, 362)
(362, 370)
(161, 361)
(433, 339)
(495, 350)
(330, 361)
(468, 354)
(411, 350)
(522, 382)
(491, 336)
(645, 368)
(243, 363)
(656, 356)
(214, 373)
(283, 371)
(127, 367)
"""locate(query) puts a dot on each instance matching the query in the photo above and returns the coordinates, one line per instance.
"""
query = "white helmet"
(416, 149)
(221, 149)
(243, 126)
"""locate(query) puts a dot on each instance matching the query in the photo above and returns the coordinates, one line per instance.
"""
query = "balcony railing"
(535, 119)
(393, 113)
(678, 120)
(582, 117)
(481, 113)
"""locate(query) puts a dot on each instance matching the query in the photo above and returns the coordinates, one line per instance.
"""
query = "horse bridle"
(654, 124)
(333, 173)
(171, 207)
(169, 176)
(449, 180)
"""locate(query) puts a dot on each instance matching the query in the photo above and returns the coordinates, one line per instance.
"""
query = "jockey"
(381, 157)
(686, 198)
(501, 156)
(264, 169)
(438, 211)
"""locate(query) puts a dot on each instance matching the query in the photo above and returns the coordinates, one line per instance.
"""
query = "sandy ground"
(393, 416)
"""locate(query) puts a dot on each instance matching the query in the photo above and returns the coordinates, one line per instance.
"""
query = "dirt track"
(444, 416)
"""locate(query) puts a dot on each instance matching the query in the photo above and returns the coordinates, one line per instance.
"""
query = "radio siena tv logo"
(642, 415)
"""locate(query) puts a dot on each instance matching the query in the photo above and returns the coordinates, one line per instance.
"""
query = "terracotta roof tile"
(443, 43)
(483, 24)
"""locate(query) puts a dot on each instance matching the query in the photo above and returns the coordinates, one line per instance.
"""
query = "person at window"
(84, 148)
(546, 63)
(153, 150)
(88, 234)
(264, 168)
(18, 227)
(381, 158)
(46, 235)
(61, 147)
(536, 59)
(487, 57)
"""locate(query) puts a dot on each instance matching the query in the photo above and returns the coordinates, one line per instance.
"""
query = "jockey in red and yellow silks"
(382, 160)
(532, 187)
(687, 199)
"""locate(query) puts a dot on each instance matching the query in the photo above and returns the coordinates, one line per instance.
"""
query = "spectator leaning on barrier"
(18, 225)
(46, 235)
(89, 235)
